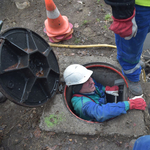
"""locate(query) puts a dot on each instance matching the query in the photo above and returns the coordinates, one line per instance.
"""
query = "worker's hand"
(126, 28)
(137, 102)
(112, 90)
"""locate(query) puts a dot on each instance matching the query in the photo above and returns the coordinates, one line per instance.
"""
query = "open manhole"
(29, 71)
(106, 74)
(146, 73)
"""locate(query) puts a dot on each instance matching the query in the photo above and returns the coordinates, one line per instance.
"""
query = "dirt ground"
(91, 19)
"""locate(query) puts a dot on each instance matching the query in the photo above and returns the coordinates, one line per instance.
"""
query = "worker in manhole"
(131, 24)
(89, 97)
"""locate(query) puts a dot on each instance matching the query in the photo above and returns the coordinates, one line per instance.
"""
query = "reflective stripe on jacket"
(143, 2)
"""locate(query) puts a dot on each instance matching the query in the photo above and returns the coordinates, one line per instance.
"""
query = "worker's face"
(88, 86)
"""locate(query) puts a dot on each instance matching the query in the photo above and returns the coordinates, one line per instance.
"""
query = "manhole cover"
(29, 71)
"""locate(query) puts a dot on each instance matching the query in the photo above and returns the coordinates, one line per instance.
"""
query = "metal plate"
(29, 71)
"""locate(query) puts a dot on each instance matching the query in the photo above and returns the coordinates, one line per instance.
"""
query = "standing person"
(131, 24)
(142, 143)
(89, 100)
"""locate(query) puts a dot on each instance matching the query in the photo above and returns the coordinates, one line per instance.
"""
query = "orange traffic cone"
(61, 37)
(55, 24)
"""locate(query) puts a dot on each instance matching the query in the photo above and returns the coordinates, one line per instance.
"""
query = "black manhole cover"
(29, 71)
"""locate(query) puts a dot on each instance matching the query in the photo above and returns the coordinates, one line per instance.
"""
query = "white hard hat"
(76, 74)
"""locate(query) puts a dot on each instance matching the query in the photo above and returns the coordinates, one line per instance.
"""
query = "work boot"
(2, 98)
(135, 88)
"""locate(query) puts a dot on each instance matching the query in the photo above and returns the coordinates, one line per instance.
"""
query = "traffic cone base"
(64, 29)
(59, 38)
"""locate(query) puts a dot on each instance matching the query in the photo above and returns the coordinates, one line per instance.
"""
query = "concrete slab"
(57, 118)
(66, 61)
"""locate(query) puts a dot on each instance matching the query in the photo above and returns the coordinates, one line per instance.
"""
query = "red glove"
(137, 103)
(126, 28)
(112, 90)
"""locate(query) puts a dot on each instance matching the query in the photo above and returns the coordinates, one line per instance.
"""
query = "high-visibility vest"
(143, 2)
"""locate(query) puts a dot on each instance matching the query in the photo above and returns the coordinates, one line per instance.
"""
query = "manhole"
(146, 70)
(29, 71)
(105, 74)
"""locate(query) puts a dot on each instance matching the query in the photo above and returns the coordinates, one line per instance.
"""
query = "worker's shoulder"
(78, 98)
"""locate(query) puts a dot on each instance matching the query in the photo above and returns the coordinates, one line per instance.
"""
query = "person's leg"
(142, 143)
(129, 51)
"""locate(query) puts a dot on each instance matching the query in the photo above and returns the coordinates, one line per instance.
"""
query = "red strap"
(80, 95)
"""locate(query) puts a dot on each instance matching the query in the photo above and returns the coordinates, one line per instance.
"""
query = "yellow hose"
(82, 46)
(144, 75)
